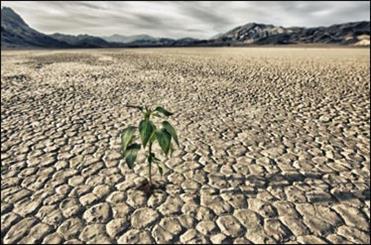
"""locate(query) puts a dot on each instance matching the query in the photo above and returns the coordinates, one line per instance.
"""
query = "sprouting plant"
(149, 134)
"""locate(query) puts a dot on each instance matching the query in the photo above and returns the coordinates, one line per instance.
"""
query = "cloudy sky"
(180, 19)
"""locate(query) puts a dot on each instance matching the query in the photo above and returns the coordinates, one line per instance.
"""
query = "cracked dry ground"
(275, 146)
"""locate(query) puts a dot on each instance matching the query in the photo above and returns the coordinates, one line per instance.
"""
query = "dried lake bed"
(275, 146)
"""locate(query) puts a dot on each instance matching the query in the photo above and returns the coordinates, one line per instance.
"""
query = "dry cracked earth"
(275, 146)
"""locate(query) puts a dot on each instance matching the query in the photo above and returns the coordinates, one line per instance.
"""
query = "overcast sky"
(180, 19)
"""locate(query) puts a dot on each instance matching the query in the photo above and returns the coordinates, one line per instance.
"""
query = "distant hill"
(15, 33)
(149, 41)
(82, 41)
(128, 39)
(255, 33)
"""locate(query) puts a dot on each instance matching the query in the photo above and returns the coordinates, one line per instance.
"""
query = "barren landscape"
(274, 146)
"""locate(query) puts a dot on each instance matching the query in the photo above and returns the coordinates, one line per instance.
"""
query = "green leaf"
(160, 169)
(155, 159)
(127, 136)
(155, 114)
(163, 138)
(153, 136)
(131, 154)
(170, 130)
(146, 128)
(136, 107)
(171, 150)
(163, 111)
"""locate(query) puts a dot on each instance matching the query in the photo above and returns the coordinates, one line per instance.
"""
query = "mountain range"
(16, 33)
(128, 39)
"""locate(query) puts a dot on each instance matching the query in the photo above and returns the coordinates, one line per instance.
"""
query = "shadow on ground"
(280, 180)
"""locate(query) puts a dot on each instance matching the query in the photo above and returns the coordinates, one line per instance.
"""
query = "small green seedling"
(149, 134)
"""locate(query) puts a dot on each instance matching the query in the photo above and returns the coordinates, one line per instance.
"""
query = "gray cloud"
(180, 19)
(205, 13)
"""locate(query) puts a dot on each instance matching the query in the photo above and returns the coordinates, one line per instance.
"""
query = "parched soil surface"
(275, 146)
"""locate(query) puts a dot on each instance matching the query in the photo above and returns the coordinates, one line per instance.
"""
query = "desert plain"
(274, 146)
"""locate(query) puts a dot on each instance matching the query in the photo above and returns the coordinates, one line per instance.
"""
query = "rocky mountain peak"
(9, 18)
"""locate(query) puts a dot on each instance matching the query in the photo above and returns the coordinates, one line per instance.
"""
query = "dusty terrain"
(275, 146)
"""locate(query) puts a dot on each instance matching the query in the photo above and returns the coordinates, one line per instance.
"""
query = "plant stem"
(150, 164)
